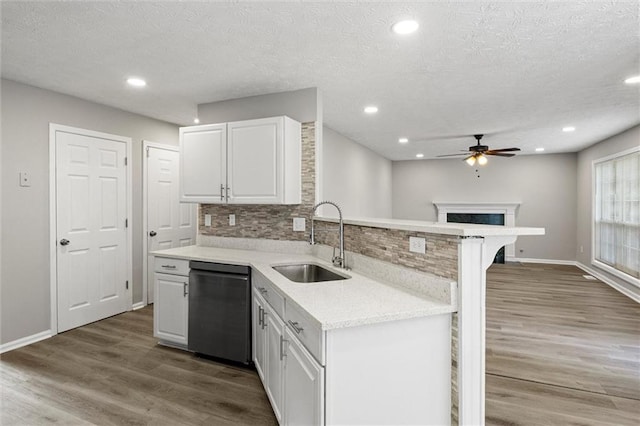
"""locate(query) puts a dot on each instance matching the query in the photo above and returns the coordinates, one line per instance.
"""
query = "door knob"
(64, 242)
(152, 234)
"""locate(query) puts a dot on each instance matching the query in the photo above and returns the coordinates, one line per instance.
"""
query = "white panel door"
(203, 163)
(170, 223)
(255, 161)
(258, 335)
(91, 209)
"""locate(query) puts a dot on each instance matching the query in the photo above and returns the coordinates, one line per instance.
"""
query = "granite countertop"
(356, 301)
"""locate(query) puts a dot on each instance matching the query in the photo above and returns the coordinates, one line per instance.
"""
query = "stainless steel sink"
(308, 273)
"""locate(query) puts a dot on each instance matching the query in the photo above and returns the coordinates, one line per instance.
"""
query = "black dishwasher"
(220, 310)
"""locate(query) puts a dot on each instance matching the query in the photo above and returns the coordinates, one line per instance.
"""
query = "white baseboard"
(545, 261)
(25, 341)
(633, 296)
(137, 306)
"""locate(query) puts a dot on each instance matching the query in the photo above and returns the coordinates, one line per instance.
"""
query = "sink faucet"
(340, 259)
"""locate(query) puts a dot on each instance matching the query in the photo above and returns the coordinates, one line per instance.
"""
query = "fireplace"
(482, 213)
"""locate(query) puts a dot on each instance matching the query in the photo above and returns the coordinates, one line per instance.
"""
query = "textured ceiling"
(518, 71)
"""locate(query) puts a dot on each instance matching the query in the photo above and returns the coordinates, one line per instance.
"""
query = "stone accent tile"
(392, 246)
(268, 221)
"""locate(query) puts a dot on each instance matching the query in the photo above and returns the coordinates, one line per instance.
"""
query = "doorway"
(167, 223)
(90, 211)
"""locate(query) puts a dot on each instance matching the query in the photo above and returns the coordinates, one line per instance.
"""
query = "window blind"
(617, 213)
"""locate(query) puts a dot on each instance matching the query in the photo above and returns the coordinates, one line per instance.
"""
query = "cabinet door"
(274, 360)
(255, 161)
(258, 335)
(171, 308)
(203, 163)
(303, 384)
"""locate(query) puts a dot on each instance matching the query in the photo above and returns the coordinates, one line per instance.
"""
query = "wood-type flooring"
(561, 350)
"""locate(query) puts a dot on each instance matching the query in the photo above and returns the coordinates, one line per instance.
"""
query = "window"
(617, 214)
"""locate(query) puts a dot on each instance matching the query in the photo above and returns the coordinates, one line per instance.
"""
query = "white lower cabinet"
(394, 372)
(303, 384)
(267, 336)
(171, 309)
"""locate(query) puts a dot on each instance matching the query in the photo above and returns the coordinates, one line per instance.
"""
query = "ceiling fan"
(479, 152)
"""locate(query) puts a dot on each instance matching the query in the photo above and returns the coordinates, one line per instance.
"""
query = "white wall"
(544, 184)
(26, 114)
(356, 178)
(613, 145)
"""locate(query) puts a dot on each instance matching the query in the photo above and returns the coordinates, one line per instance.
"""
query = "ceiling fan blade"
(499, 154)
(505, 149)
(452, 155)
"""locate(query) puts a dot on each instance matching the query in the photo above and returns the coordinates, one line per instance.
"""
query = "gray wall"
(301, 105)
(544, 184)
(26, 114)
(613, 145)
(355, 177)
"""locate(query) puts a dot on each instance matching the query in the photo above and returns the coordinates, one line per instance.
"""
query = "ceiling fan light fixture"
(482, 160)
(471, 160)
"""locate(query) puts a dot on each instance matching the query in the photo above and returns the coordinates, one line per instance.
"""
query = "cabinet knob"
(153, 233)
(64, 242)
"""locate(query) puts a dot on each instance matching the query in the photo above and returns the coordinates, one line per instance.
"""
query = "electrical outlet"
(299, 224)
(207, 220)
(232, 220)
(417, 245)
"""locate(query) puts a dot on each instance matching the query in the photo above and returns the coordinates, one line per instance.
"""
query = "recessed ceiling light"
(403, 140)
(633, 80)
(419, 155)
(405, 27)
(371, 109)
(568, 129)
(136, 82)
(539, 149)
(196, 120)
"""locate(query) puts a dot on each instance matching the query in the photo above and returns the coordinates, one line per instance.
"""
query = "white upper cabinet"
(203, 163)
(243, 162)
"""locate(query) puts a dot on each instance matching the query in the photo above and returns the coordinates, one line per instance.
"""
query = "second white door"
(169, 223)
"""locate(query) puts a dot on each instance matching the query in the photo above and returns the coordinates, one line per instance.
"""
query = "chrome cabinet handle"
(169, 266)
(264, 314)
(221, 192)
(296, 327)
(228, 189)
(263, 290)
(282, 351)
(260, 318)
(64, 242)
(184, 289)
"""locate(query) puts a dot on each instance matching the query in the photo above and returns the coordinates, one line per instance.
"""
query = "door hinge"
(147, 151)
(127, 284)
(126, 223)
(125, 161)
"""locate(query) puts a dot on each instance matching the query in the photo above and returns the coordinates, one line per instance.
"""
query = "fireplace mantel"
(508, 209)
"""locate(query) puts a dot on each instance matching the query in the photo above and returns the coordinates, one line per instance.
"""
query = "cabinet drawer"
(263, 287)
(168, 265)
(306, 331)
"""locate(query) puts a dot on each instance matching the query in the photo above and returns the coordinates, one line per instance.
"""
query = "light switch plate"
(232, 220)
(207, 220)
(417, 245)
(25, 179)
(299, 224)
